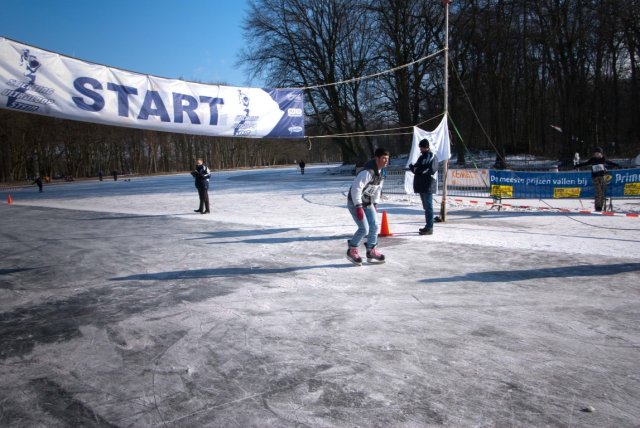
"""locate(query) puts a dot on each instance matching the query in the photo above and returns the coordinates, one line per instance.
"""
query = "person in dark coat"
(425, 184)
(302, 165)
(598, 165)
(201, 174)
(38, 181)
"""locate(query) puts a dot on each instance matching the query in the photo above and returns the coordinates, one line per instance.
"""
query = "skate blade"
(354, 262)
(375, 262)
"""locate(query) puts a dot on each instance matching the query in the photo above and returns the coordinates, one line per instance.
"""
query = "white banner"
(439, 144)
(42, 82)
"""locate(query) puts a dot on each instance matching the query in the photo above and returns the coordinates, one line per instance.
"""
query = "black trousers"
(203, 194)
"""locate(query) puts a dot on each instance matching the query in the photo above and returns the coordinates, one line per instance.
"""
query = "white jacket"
(366, 188)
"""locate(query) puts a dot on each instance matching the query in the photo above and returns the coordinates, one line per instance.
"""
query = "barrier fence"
(508, 184)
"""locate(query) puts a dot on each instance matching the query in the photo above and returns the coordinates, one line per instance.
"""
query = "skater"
(38, 181)
(301, 165)
(425, 184)
(362, 200)
(598, 171)
(115, 175)
(201, 174)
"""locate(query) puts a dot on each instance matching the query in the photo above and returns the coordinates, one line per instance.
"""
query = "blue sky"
(189, 39)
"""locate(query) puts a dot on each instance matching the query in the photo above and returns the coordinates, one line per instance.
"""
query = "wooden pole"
(443, 205)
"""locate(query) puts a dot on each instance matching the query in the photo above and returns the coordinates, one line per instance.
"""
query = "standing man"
(424, 183)
(301, 164)
(38, 181)
(201, 174)
(598, 171)
(362, 200)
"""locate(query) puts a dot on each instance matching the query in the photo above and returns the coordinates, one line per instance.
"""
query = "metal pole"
(443, 205)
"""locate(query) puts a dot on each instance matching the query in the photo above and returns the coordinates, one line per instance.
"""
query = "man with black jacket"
(201, 174)
(598, 171)
(425, 171)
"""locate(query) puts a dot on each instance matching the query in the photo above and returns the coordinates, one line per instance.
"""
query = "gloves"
(360, 213)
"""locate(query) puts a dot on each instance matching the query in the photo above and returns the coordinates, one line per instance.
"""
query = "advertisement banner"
(468, 178)
(518, 184)
(37, 81)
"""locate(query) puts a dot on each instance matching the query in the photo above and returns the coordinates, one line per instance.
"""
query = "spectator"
(201, 174)
(598, 172)
(425, 171)
(38, 181)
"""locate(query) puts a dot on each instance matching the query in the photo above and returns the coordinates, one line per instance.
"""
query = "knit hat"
(423, 143)
(598, 150)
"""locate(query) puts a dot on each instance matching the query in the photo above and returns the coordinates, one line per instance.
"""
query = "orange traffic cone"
(9, 200)
(384, 230)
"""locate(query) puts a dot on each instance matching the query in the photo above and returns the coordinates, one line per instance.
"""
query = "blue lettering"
(92, 100)
(80, 85)
(123, 99)
(213, 108)
(179, 108)
(153, 98)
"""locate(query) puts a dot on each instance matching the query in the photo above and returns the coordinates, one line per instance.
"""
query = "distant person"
(302, 165)
(201, 174)
(100, 175)
(362, 200)
(115, 175)
(38, 181)
(598, 171)
(425, 184)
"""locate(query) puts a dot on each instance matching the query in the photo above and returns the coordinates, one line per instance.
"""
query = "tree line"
(33, 145)
(541, 77)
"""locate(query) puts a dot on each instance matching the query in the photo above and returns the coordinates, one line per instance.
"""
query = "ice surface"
(122, 307)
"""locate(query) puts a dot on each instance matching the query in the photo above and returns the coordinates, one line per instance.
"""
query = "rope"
(473, 110)
(355, 79)
(374, 131)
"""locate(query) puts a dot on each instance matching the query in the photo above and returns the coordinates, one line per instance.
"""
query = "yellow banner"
(501, 191)
(566, 192)
(632, 189)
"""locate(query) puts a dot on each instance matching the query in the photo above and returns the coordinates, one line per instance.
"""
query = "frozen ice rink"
(121, 307)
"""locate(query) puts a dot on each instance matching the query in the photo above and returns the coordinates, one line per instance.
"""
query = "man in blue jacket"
(425, 173)
(202, 174)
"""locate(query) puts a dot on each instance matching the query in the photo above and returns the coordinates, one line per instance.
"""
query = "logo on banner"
(297, 97)
(21, 98)
(244, 125)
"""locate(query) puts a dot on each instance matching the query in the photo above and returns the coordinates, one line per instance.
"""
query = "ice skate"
(374, 256)
(353, 256)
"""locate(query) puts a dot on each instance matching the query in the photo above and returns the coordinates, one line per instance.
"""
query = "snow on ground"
(123, 307)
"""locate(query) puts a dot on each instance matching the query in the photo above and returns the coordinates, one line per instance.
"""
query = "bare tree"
(314, 44)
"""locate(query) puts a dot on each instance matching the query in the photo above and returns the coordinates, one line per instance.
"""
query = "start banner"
(42, 82)
(517, 184)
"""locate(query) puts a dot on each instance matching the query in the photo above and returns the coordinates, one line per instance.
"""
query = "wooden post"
(443, 205)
